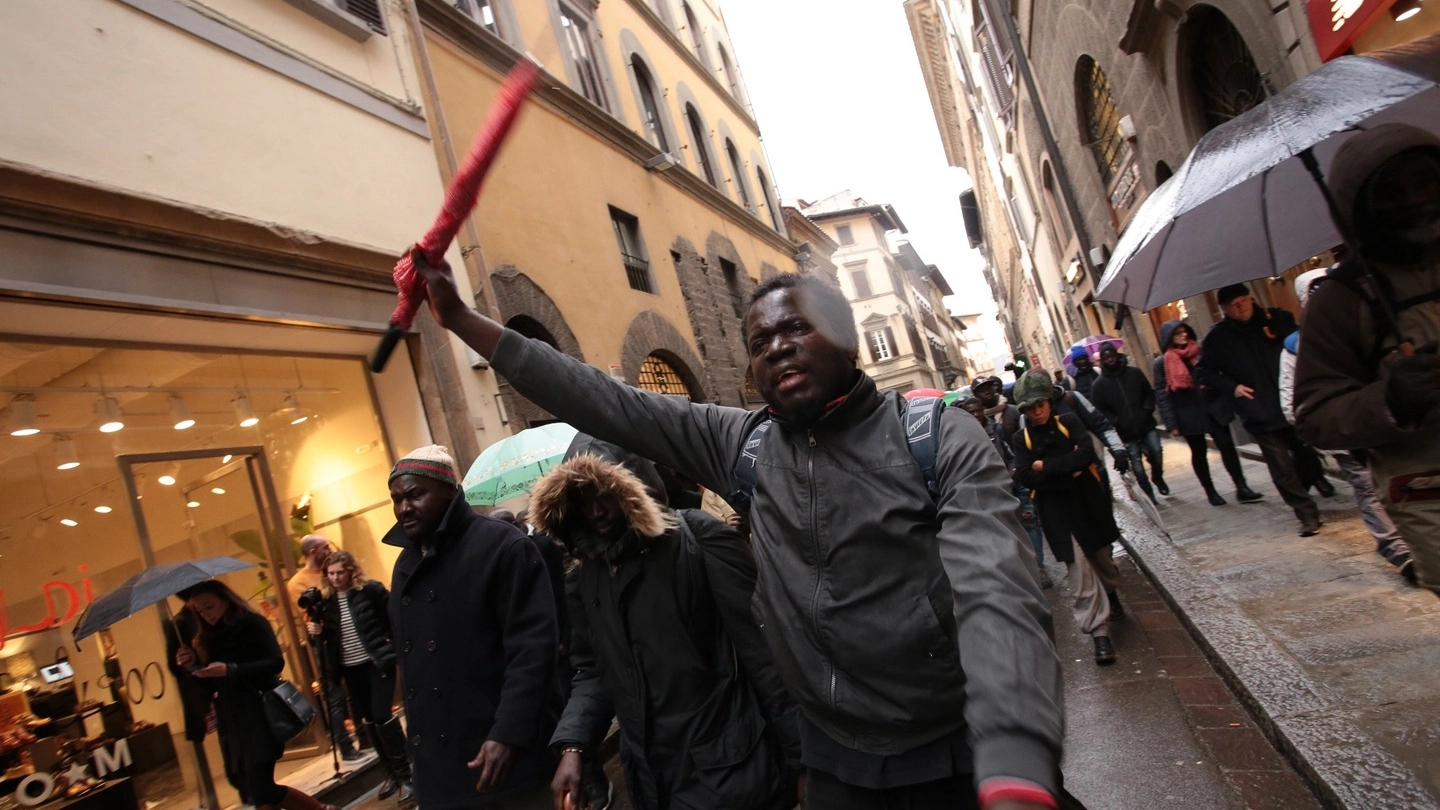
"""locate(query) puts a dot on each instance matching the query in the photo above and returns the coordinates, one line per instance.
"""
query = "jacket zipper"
(819, 571)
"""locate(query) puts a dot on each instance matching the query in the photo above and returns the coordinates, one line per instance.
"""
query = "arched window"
(698, 139)
(769, 194)
(654, 130)
(737, 171)
(661, 377)
(1099, 118)
(697, 39)
(731, 80)
(1224, 81)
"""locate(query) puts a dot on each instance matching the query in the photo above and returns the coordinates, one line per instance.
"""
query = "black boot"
(1104, 651)
(1324, 487)
(1214, 496)
(1247, 495)
(390, 744)
(1160, 485)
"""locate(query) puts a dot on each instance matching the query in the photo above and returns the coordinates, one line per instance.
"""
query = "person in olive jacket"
(475, 631)
(664, 640)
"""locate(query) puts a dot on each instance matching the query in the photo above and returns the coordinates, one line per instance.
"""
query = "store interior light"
(109, 410)
(217, 490)
(103, 509)
(172, 471)
(292, 408)
(245, 412)
(69, 522)
(226, 459)
(22, 416)
(1403, 10)
(192, 504)
(66, 457)
(180, 413)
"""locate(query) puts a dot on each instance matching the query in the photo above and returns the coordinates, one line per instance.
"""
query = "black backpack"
(920, 415)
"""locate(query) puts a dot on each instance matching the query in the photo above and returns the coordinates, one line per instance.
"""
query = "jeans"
(1372, 512)
(1149, 447)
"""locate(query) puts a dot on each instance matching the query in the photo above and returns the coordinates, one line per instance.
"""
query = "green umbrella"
(508, 467)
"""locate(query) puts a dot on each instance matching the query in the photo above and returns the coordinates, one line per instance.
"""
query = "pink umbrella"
(460, 199)
(923, 392)
(1091, 346)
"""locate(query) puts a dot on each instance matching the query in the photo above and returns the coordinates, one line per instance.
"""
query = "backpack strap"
(745, 473)
(922, 436)
(921, 417)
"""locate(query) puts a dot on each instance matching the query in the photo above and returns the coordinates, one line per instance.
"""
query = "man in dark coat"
(476, 635)
(665, 642)
(991, 393)
(1085, 373)
(1241, 357)
(1126, 399)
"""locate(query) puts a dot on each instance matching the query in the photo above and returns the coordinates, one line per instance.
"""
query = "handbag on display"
(287, 711)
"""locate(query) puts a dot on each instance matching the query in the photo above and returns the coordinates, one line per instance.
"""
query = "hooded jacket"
(1192, 411)
(869, 588)
(1127, 400)
(1339, 387)
(663, 640)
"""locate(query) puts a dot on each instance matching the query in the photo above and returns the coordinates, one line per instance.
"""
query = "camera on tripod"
(313, 603)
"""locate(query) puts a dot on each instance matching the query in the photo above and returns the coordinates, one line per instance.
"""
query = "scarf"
(999, 407)
(1177, 367)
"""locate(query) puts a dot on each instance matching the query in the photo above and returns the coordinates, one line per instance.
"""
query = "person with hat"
(1126, 398)
(991, 393)
(475, 632)
(314, 548)
(1368, 375)
(1240, 358)
(1056, 460)
(1085, 373)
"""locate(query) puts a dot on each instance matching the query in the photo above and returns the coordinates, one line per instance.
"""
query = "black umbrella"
(1250, 202)
(148, 587)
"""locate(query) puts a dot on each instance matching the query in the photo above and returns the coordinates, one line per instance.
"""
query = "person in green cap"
(1055, 459)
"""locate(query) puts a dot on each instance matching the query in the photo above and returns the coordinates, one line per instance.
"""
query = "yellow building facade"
(632, 212)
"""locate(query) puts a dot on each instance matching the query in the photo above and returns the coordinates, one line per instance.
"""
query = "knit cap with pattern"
(430, 461)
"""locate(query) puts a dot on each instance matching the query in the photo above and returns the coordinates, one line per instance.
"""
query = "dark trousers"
(335, 704)
(1294, 467)
(825, 792)
(1200, 457)
(256, 784)
(371, 694)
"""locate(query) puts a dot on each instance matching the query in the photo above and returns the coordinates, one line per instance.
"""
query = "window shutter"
(369, 11)
(890, 341)
(870, 347)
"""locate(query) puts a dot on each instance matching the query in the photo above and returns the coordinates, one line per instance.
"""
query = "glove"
(1413, 390)
(1122, 462)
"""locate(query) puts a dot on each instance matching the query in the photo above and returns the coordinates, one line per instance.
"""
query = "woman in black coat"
(235, 652)
(354, 636)
(1190, 410)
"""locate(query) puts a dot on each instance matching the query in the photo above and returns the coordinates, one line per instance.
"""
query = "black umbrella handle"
(388, 342)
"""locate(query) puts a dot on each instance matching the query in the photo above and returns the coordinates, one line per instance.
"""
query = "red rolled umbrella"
(460, 199)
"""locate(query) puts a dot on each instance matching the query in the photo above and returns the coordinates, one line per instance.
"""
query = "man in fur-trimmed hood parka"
(664, 641)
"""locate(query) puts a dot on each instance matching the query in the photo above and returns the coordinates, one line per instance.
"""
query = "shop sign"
(1125, 189)
(54, 617)
(38, 788)
(1337, 23)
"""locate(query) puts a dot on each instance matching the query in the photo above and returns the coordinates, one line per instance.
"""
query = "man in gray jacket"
(869, 587)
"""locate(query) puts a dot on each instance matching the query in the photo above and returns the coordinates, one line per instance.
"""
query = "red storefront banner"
(1337, 23)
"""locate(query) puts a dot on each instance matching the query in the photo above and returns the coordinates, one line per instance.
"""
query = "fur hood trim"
(550, 498)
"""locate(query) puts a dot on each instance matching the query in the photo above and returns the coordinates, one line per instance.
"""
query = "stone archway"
(526, 308)
(1217, 72)
(651, 334)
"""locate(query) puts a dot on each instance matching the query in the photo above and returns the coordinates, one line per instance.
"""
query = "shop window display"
(217, 454)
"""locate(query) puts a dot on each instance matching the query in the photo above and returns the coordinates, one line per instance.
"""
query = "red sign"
(1337, 23)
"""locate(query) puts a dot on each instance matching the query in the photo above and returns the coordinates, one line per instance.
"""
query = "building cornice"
(462, 32)
(932, 47)
(53, 200)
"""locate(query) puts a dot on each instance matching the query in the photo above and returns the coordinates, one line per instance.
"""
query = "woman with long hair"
(234, 652)
(1191, 411)
(355, 641)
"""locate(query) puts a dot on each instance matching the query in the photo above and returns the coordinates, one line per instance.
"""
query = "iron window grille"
(627, 239)
(662, 378)
(1102, 120)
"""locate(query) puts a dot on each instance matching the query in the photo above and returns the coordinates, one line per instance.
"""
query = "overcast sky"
(841, 103)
